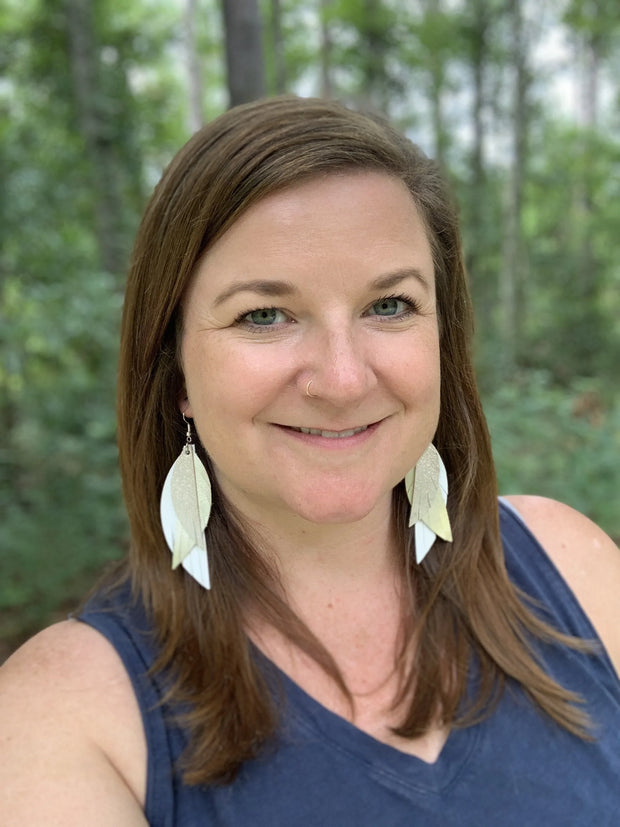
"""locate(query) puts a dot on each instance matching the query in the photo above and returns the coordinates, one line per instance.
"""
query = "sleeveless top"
(517, 768)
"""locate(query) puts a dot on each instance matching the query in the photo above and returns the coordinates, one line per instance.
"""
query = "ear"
(183, 403)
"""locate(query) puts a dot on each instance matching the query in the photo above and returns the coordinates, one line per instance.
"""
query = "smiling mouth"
(331, 434)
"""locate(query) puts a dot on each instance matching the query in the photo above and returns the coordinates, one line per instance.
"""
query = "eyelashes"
(389, 303)
(263, 317)
(389, 307)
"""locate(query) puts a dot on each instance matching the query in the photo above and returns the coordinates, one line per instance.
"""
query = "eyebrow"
(265, 287)
(393, 279)
(277, 288)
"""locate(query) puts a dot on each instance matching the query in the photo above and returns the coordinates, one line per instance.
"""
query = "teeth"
(332, 434)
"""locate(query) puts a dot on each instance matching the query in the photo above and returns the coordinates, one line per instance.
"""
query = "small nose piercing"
(312, 395)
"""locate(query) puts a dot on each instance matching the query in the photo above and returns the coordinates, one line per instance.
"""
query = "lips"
(331, 434)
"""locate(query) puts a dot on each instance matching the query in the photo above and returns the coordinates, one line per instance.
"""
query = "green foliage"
(596, 21)
(297, 47)
(571, 223)
(60, 490)
(558, 443)
(75, 175)
(59, 312)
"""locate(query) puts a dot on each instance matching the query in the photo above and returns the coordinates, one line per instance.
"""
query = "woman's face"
(331, 283)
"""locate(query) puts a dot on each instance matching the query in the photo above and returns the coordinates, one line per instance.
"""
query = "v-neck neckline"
(387, 763)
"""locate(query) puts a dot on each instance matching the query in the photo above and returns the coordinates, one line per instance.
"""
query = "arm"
(586, 557)
(72, 746)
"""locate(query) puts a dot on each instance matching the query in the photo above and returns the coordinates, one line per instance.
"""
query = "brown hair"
(462, 602)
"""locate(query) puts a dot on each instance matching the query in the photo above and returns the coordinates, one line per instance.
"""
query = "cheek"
(202, 377)
(419, 370)
(226, 384)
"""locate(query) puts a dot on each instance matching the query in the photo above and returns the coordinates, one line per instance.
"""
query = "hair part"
(461, 600)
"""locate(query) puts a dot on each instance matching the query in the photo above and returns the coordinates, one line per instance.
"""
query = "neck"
(347, 590)
(331, 556)
(343, 582)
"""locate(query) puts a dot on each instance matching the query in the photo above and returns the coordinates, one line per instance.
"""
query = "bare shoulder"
(71, 734)
(586, 557)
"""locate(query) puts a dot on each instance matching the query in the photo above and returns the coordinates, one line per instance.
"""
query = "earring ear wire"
(188, 435)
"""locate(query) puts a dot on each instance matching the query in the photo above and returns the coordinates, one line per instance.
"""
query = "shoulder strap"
(123, 623)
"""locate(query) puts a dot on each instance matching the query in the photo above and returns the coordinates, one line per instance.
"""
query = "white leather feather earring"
(427, 489)
(185, 507)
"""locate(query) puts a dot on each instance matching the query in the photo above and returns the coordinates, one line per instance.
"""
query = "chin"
(337, 513)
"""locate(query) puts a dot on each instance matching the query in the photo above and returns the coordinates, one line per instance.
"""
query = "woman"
(297, 315)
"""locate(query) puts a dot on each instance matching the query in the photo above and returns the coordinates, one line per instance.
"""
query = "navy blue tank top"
(515, 769)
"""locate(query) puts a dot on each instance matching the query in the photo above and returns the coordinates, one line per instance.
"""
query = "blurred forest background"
(519, 100)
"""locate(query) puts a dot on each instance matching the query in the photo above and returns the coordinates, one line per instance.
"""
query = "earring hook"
(188, 435)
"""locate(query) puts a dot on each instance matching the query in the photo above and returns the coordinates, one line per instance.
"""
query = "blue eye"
(389, 307)
(265, 316)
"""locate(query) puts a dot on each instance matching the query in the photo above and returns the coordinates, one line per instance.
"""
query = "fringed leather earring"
(427, 489)
(185, 507)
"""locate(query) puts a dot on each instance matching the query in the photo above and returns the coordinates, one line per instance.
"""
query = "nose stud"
(311, 395)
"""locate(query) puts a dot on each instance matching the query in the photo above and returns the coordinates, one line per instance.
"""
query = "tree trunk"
(436, 71)
(479, 49)
(512, 276)
(245, 68)
(194, 70)
(477, 213)
(327, 87)
(590, 71)
(277, 40)
(436, 98)
(83, 54)
(590, 94)
(373, 47)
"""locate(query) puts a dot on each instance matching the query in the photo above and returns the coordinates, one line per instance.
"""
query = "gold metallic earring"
(185, 507)
(427, 490)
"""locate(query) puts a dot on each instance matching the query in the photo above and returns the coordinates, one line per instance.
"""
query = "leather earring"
(185, 507)
(427, 490)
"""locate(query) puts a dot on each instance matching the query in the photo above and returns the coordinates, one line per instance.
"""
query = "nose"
(340, 368)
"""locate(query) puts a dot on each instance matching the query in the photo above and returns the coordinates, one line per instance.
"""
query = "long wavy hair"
(461, 603)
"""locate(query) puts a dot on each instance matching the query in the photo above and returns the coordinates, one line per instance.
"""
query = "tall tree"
(434, 32)
(593, 23)
(60, 297)
(326, 48)
(245, 66)
(84, 54)
(193, 64)
(593, 26)
(511, 276)
(358, 39)
(278, 47)
(477, 34)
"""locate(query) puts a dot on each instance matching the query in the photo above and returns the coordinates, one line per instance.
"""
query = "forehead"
(343, 215)
(355, 191)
